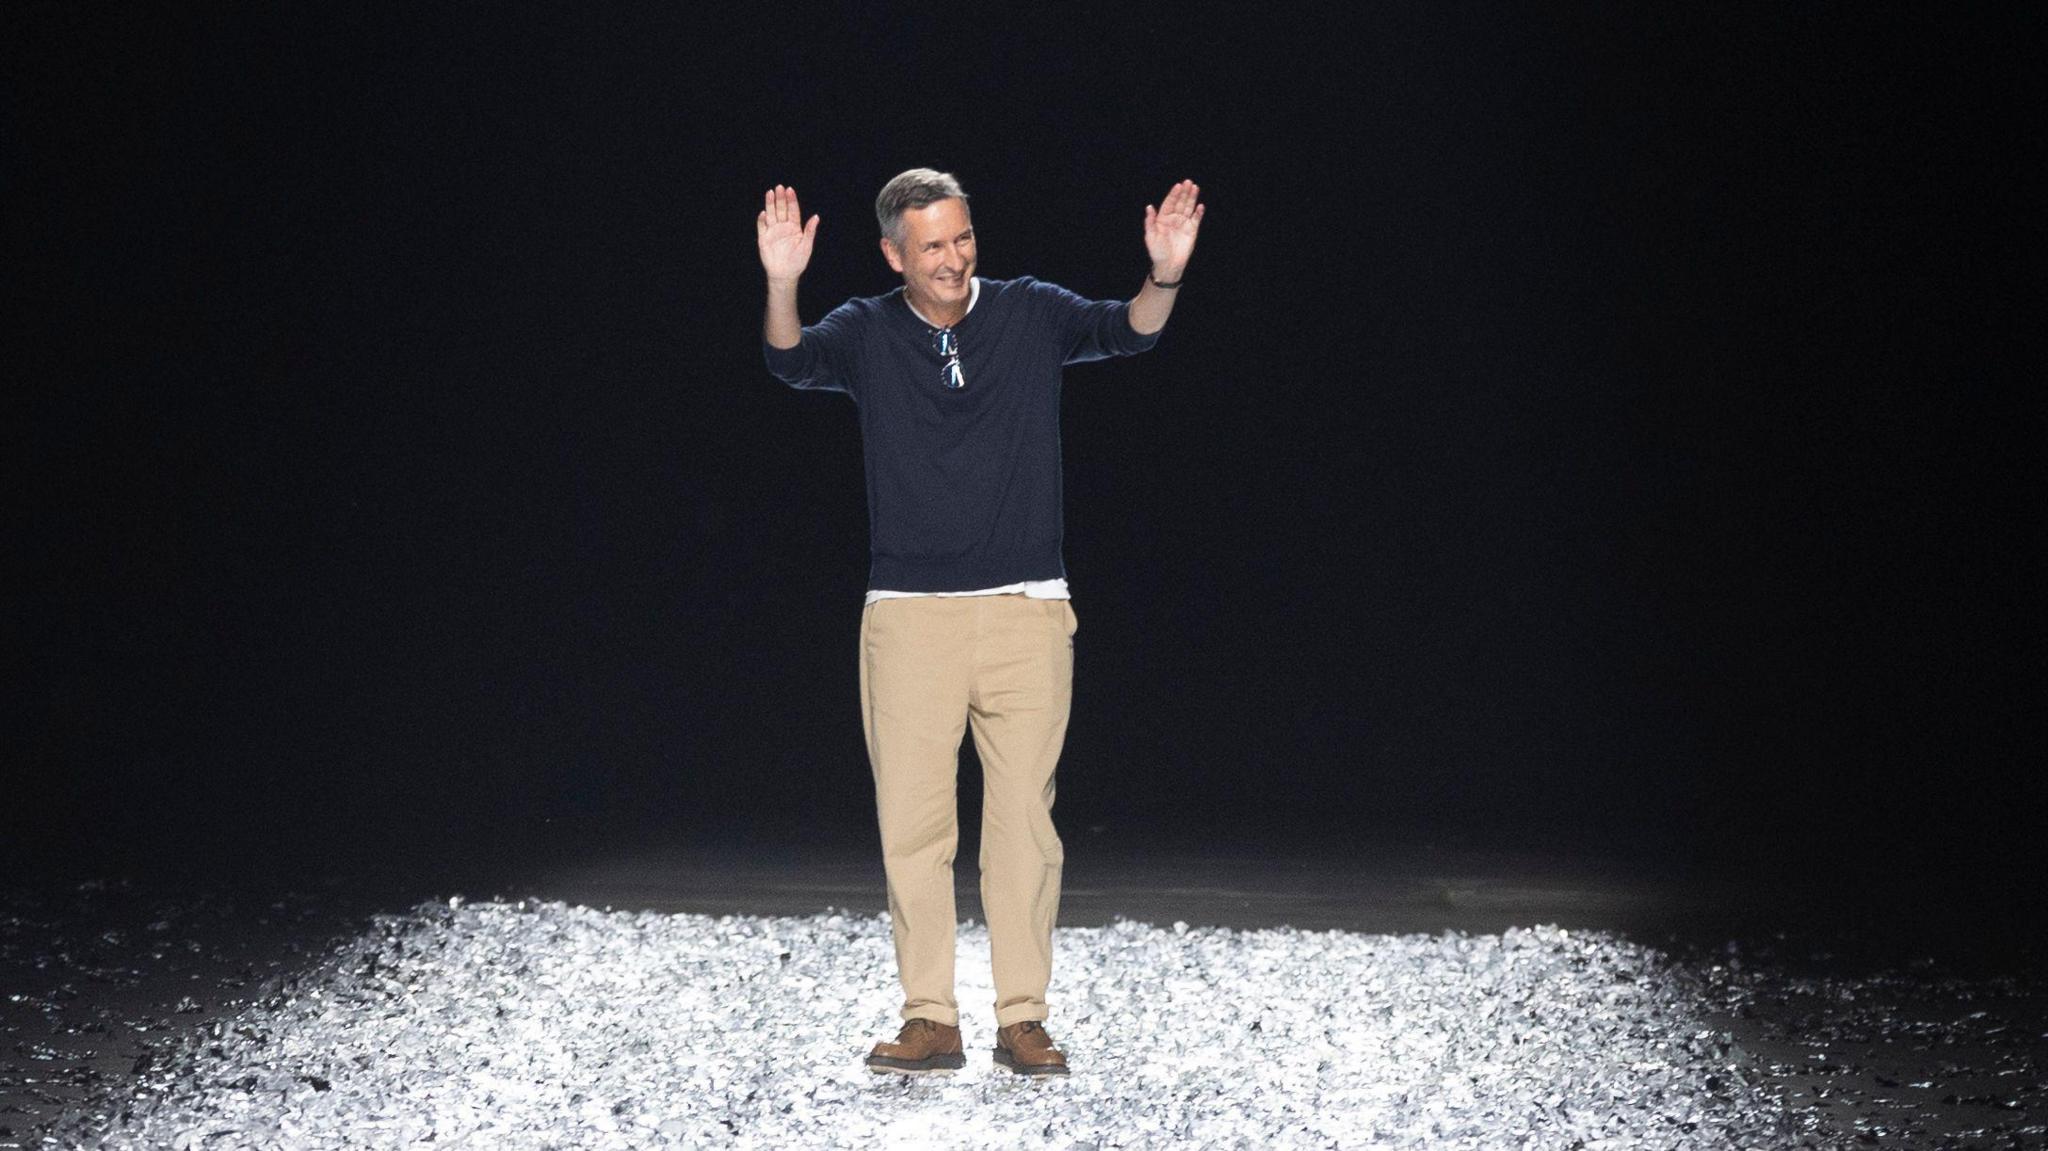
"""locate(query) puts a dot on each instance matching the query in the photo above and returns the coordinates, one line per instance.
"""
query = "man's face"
(937, 258)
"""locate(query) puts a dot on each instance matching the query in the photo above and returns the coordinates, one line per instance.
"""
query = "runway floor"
(1861, 1031)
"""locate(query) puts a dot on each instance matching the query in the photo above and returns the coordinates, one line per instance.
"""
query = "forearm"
(780, 326)
(1153, 303)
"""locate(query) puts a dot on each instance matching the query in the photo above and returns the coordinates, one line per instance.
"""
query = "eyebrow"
(963, 235)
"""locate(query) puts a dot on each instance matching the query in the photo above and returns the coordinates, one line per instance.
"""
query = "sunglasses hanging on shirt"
(948, 345)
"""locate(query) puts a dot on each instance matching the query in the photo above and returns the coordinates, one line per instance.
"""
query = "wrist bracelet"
(1157, 284)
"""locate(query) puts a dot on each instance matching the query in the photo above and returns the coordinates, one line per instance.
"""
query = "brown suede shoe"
(923, 1045)
(1025, 1048)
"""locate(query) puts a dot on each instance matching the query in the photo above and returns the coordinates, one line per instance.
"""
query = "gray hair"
(913, 189)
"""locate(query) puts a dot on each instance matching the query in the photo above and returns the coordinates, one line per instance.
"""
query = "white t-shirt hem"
(1036, 589)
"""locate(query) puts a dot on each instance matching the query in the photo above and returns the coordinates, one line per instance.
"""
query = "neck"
(942, 314)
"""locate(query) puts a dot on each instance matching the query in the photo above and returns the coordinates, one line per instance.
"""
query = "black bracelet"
(1157, 284)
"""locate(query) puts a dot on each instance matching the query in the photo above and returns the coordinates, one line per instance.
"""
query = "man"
(967, 618)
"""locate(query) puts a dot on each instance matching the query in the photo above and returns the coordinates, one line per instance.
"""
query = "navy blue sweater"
(963, 483)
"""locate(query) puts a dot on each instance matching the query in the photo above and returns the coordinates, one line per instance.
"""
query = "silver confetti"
(541, 1024)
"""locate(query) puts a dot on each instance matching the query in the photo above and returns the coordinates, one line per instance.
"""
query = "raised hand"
(1171, 226)
(785, 238)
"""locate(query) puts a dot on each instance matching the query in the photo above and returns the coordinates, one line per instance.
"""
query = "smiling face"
(937, 258)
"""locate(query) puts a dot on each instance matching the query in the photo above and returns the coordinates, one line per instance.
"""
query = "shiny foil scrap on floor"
(538, 1024)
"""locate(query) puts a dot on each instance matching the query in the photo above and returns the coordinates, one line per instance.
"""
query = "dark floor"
(1903, 1021)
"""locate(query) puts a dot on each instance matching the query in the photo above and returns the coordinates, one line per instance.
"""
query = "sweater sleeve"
(1088, 329)
(825, 357)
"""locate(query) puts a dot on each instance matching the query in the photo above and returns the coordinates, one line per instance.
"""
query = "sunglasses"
(948, 345)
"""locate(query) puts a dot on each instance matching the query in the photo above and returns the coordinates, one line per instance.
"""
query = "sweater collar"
(973, 295)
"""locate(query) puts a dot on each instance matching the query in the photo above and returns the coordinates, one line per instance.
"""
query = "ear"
(890, 254)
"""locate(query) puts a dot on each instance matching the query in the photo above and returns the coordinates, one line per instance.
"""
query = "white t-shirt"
(1036, 589)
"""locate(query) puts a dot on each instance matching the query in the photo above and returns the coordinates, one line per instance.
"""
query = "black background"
(1585, 431)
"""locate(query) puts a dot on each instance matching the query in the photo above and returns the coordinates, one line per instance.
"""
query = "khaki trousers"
(929, 667)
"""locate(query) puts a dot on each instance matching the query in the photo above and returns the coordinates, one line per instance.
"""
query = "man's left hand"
(1170, 230)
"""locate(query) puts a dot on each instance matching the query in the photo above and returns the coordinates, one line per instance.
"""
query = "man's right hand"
(784, 237)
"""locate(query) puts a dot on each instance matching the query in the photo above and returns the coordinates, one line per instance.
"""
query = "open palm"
(784, 237)
(1171, 226)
